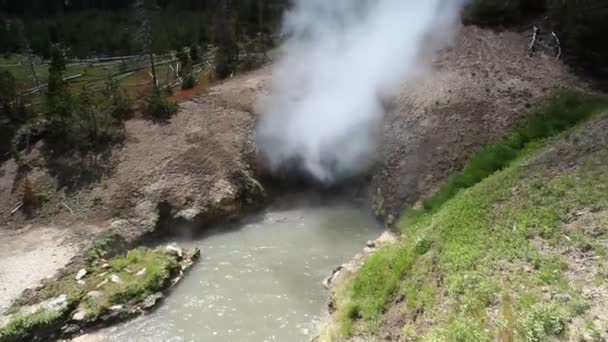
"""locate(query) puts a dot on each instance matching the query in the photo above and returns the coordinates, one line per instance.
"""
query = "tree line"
(105, 27)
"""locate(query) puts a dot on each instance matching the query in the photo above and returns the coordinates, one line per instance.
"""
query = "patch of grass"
(460, 330)
(543, 321)
(21, 326)
(485, 248)
(558, 113)
(103, 245)
(158, 265)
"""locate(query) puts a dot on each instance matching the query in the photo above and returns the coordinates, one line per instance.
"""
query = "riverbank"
(521, 255)
(100, 293)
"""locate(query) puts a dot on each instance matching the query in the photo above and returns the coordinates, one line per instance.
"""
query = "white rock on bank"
(115, 279)
(79, 315)
(81, 274)
(175, 250)
(90, 338)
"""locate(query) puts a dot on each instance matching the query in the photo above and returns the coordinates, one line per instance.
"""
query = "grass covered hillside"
(513, 248)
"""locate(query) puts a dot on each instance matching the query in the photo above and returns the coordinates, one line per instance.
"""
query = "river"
(260, 279)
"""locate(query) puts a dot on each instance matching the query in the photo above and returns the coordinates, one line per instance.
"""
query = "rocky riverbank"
(97, 292)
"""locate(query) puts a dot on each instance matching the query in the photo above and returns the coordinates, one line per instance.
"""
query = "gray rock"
(80, 315)
(105, 281)
(141, 272)
(152, 300)
(117, 307)
(95, 294)
(90, 338)
(81, 274)
(329, 281)
(176, 280)
(115, 279)
(171, 249)
(58, 304)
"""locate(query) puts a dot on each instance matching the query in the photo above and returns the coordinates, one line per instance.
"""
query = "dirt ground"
(200, 164)
(478, 90)
(196, 167)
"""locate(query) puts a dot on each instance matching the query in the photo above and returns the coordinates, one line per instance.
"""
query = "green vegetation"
(105, 27)
(158, 106)
(132, 287)
(21, 326)
(471, 268)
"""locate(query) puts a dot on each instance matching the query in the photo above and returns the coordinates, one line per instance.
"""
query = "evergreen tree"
(58, 98)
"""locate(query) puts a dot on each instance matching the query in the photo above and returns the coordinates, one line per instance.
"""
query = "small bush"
(543, 321)
(32, 195)
(158, 106)
(121, 106)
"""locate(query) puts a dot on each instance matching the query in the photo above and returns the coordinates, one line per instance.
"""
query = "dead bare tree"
(144, 9)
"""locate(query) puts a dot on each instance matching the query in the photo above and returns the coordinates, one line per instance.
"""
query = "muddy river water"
(261, 279)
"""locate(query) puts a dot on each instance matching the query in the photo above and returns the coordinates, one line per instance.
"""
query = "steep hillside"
(477, 91)
(521, 256)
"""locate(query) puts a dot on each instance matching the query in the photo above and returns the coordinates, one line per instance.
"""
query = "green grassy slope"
(497, 258)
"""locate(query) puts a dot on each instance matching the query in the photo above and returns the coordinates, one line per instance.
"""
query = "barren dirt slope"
(477, 91)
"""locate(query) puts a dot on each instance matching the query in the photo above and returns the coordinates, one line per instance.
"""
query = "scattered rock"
(58, 304)
(171, 249)
(327, 283)
(176, 280)
(115, 279)
(80, 315)
(90, 338)
(120, 225)
(117, 307)
(105, 281)
(81, 274)
(81, 282)
(105, 266)
(390, 220)
(95, 294)
(152, 300)
(141, 272)
(387, 238)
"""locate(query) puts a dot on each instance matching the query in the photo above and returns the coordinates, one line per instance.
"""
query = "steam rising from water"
(341, 59)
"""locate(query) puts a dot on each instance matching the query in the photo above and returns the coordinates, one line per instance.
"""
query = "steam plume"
(341, 58)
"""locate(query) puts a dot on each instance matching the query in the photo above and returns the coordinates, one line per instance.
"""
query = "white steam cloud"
(341, 59)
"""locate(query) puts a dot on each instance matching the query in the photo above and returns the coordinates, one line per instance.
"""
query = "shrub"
(159, 106)
(188, 81)
(226, 60)
(543, 321)
(32, 195)
(121, 106)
